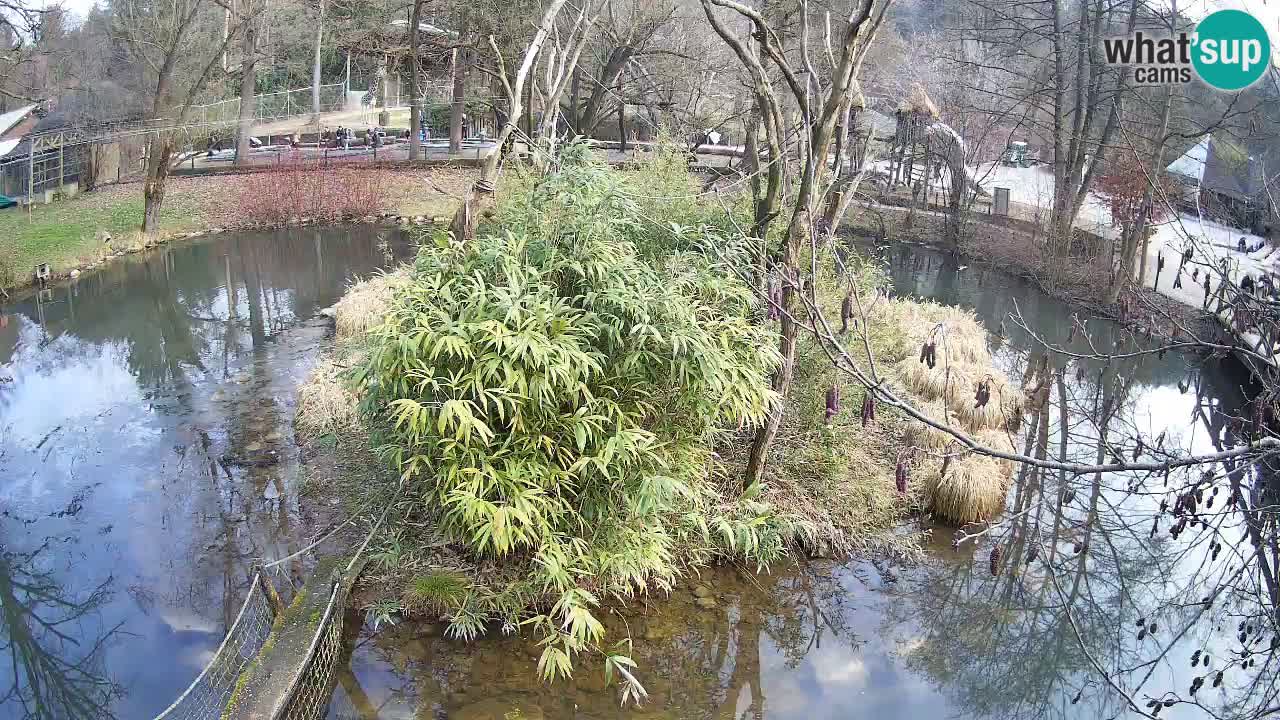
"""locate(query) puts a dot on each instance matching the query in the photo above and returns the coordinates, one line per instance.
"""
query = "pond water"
(131, 402)
(947, 637)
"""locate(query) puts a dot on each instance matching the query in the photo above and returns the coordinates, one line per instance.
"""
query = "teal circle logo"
(1232, 50)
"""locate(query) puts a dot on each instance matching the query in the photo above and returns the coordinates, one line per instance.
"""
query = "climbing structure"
(909, 153)
(923, 145)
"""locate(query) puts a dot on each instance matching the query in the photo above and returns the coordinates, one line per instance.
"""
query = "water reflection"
(802, 642)
(1048, 628)
(55, 637)
(1128, 595)
(155, 398)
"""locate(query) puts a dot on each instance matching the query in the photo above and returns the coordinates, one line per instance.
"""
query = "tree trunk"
(1144, 241)
(415, 112)
(159, 153)
(315, 66)
(1138, 234)
(764, 437)
(575, 90)
(482, 193)
(593, 112)
(459, 95)
(248, 90)
(526, 123)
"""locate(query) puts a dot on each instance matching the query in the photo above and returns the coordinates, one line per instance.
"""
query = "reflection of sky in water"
(838, 679)
(945, 640)
(124, 392)
(1158, 577)
(73, 395)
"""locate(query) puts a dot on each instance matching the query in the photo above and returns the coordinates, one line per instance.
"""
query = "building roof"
(1191, 164)
(13, 117)
(1220, 165)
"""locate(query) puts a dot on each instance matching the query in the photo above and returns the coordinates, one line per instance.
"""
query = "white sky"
(1268, 11)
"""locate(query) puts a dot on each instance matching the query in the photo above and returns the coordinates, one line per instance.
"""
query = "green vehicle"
(7, 202)
(1017, 155)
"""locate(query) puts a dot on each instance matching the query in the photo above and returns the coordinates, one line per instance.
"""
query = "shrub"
(655, 206)
(1124, 187)
(554, 396)
(298, 190)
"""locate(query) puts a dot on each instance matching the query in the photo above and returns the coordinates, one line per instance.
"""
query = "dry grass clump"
(326, 403)
(969, 488)
(926, 437)
(963, 339)
(966, 487)
(1002, 412)
(952, 380)
(366, 303)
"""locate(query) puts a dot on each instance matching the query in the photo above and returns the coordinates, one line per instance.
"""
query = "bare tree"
(457, 107)
(629, 29)
(415, 70)
(823, 101)
(315, 65)
(560, 63)
(179, 47)
(247, 17)
(482, 191)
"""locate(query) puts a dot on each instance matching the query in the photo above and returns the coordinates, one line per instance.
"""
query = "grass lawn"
(65, 234)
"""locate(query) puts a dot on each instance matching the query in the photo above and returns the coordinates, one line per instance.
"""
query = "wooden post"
(273, 597)
(31, 177)
(61, 169)
(622, 127)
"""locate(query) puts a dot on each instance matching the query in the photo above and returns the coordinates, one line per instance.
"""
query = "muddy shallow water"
(860, 639)
(146, 459)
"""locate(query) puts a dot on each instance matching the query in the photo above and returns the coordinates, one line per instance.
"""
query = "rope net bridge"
(279, 662)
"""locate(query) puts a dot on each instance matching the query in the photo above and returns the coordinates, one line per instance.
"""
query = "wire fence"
(308, 697)
(207, 697)
(29, 175)
(269, 106)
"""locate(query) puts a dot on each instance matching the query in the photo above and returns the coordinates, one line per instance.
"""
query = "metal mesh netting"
(342, 707)
(208, 694)
(273, 105)
(308, 698)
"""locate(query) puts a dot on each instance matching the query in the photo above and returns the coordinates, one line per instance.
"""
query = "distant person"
(1240, 245)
